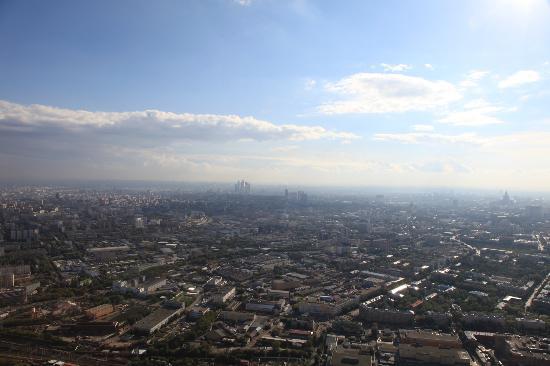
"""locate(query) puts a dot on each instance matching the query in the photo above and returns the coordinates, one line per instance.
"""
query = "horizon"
(271, 188)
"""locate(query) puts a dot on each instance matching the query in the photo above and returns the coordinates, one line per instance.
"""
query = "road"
(541, 242)
(536, 291)
(455, 239)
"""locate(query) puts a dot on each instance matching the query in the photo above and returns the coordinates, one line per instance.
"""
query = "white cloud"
(519, 148)
(396, 67)
(243, 2)
(469, 118)
(522, 141)
(519, 78)
(429, 137)
(423, 128)
(310, 84)
(476, 112)
(482, 106)
(386, 93)
(154, 125)
(473, 78)
(429, 66)
(151, 144)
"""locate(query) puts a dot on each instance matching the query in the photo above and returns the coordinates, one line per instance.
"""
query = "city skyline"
(429, 94)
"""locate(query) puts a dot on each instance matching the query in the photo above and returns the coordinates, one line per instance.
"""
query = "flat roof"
(423, 334)
(156, 317)
(107, 249)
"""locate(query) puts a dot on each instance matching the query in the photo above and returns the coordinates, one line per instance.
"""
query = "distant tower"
(301, 196)
(139, 223)
(506, 198)
(242, 187)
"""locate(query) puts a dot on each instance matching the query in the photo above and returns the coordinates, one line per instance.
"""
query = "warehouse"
(154, 321)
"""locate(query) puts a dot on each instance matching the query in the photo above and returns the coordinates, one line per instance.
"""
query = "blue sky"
(424, 93)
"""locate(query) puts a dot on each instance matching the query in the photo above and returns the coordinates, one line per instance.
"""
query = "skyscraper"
(242, 187)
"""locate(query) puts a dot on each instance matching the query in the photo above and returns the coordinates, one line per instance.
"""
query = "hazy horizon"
(278, 189)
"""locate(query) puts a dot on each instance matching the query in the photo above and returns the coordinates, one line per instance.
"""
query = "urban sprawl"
(239, 276)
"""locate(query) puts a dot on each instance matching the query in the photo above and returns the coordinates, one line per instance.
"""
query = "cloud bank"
(154, 124)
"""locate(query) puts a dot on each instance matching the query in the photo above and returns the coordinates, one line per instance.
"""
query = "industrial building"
(154, 321)
(99, 311)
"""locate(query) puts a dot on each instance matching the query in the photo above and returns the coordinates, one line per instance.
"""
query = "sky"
(358, 93)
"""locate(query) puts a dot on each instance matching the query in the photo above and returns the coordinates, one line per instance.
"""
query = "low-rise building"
(237, 316)
(386, 316)
(151, 286)
(410, 354)
(154, 321)
(223, 295)
(481, 321)
(139, 288)
(429, 338)
(524, 351)
(105, 254)
(263, 306)
(360, 356)
(327, 309)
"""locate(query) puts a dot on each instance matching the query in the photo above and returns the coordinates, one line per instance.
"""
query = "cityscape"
(275, 183)
(230, 276)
